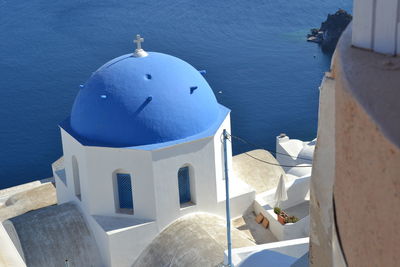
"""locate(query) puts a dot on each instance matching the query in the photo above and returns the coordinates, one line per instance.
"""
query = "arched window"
(184, 185)
(77, 180)
(124, 191)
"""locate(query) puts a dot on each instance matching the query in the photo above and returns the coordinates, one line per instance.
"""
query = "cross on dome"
(138, 41)
(139, 52)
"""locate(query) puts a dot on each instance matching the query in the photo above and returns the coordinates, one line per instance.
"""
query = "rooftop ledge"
(115, 224)
(374, 81)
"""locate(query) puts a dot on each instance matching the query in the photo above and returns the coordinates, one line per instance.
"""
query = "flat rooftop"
(256, 232)
(259, 175)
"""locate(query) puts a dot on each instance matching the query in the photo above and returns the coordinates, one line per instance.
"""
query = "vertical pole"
(227, 200)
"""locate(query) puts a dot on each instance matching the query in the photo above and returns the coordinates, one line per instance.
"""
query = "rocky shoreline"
(329, 33)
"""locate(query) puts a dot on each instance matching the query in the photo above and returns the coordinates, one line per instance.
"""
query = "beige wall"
(367, 180)
(365, 139)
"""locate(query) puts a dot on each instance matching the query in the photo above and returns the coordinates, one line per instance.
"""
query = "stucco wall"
(322, 178)
(154, 175)
(73, 148)
(294, 248)
(367, 171)
(205, 159)
(265, 202)
(10, 250)
(357, 150)
(103, 164)
(375, 25)
(166, 163)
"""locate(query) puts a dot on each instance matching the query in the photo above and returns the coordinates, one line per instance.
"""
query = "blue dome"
(134, 101)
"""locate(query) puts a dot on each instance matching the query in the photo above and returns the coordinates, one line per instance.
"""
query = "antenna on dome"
(139, 52)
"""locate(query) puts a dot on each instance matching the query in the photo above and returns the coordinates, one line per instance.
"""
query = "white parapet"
(363, 12)
(9, 255)
(297, 191)
(376, 25)
(293, 152)
(292, 249)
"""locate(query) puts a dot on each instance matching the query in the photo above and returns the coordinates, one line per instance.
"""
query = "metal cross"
(138, 41)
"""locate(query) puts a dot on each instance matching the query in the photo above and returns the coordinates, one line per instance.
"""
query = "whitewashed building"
(293, 152)
(142, 148)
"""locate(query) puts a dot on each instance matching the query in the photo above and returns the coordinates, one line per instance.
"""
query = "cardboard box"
(259, 218)
(265, 223)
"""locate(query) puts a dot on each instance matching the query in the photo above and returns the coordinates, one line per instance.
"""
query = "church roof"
(197, 239)
(50, 235)
(144, 100)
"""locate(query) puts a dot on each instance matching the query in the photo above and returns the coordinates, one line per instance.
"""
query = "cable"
(272, 151)
(261, 160)
(275, 164)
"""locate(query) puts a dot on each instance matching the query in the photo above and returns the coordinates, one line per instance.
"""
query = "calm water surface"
(255, 54)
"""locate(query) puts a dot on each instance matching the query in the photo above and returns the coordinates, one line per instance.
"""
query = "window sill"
(187, 205)
(125, 211)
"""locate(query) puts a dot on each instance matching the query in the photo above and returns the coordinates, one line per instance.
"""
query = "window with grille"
(184, 185)
(125, 196)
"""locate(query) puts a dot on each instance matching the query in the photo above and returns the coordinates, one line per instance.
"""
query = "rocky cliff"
(331, 29)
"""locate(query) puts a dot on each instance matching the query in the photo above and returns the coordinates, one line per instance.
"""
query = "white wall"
(376, 25)
(154, 177)
(96, 168)
(72, 148)
(283, 231)
(63, 194)
(323, 175)
(167, 162)
(287, 151)
(205, 158)
(10, 255)
(294, 248)
(127, 244)
(219, 158)
(101, 237)
(103, 163)
(297, 191)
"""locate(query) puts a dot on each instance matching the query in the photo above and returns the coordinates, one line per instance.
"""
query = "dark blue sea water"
(254, 53)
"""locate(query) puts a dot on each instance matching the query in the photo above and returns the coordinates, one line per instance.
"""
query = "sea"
(255, 53)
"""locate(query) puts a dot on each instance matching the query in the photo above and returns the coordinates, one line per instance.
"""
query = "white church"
(141, 181)
(142, 148)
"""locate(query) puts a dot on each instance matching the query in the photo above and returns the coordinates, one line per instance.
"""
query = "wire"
(275, 164)
(272, 151)
(261, 160)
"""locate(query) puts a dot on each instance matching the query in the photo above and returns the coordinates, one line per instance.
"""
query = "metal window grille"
(184, 185)
(124, 191)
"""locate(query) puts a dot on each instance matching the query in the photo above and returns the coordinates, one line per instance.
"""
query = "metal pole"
(228, 213)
